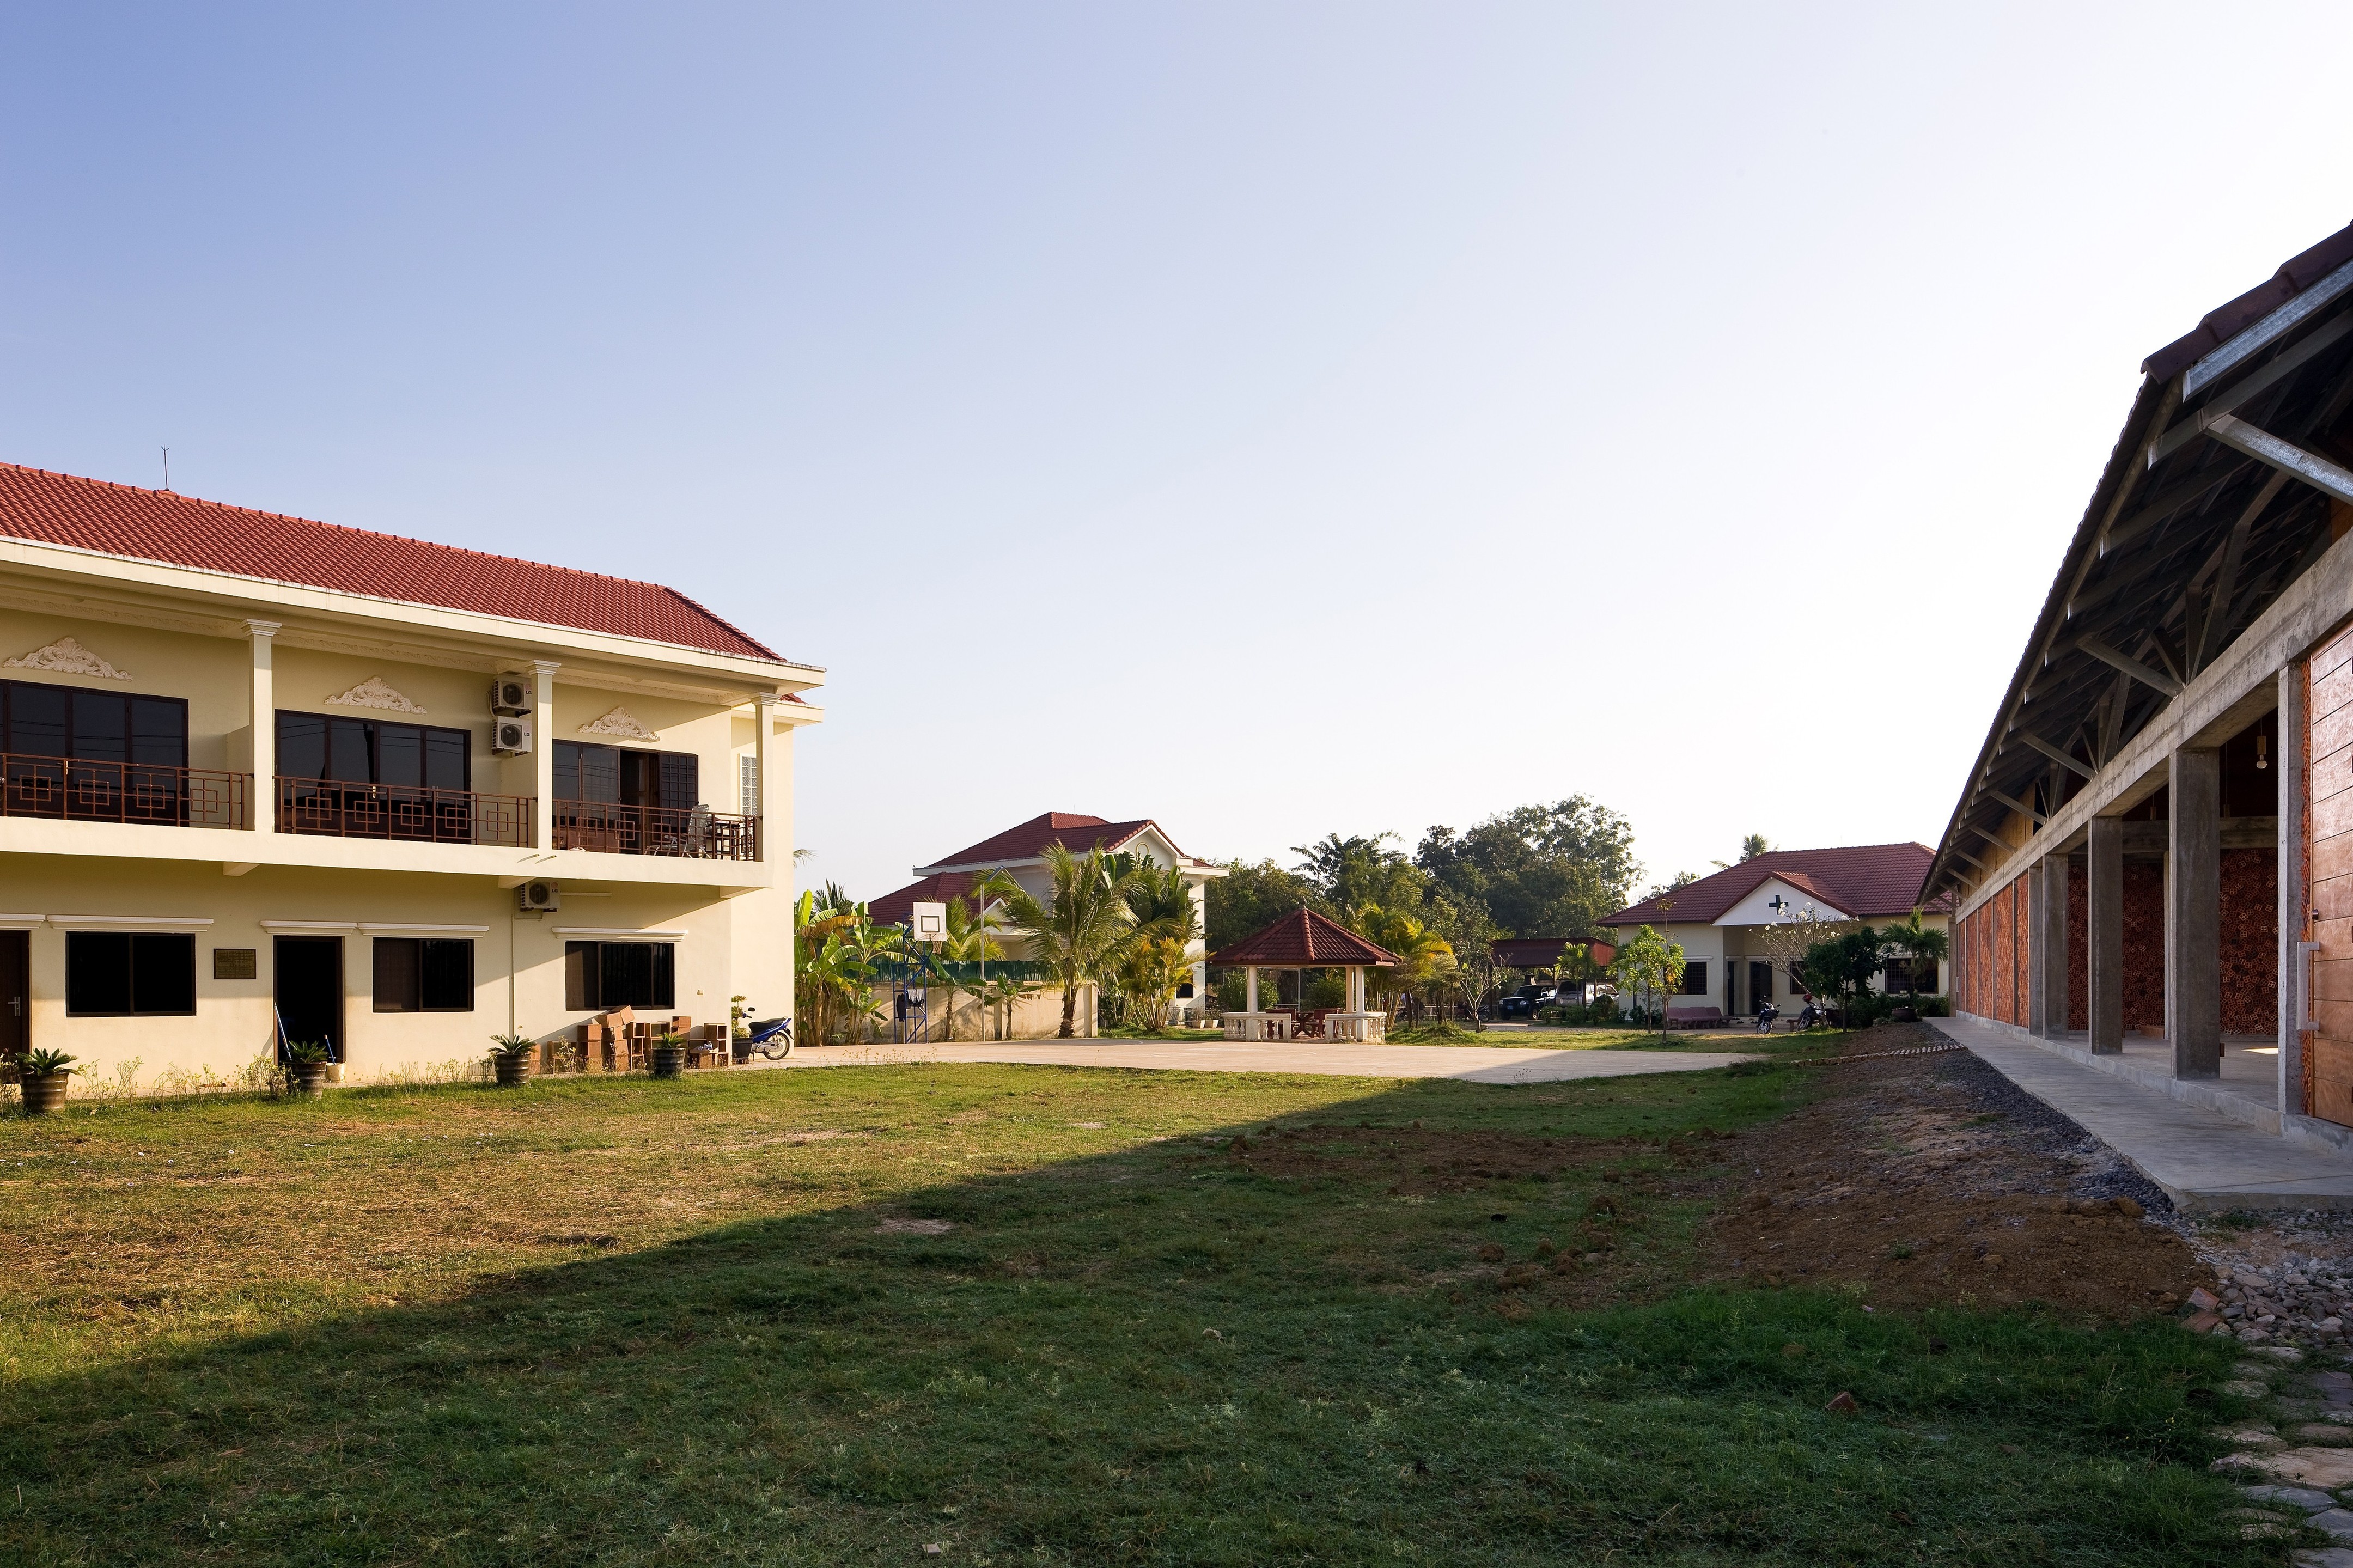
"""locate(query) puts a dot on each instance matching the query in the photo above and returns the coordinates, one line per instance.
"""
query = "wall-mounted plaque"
(236, 963)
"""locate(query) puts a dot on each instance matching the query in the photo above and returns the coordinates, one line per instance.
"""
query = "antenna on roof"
(167, 468)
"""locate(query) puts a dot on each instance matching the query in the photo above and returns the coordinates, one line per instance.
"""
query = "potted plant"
(306, 1066)
(511, 1058)
(670, 1054)
(42, 1077)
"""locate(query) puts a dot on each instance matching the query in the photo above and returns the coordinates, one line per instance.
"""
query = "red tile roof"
(1543, 952)
(181, 530)
(1304, 938)
(1867, 880)
(1073, 830)
(896, 908)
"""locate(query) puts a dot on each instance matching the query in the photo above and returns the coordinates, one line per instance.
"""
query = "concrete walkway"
(1472, 1064)
(2204, 1159)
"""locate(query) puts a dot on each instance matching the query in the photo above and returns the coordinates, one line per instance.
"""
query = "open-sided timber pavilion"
(2152, 857)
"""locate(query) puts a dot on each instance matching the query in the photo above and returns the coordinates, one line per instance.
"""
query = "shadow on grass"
(1182, 1352)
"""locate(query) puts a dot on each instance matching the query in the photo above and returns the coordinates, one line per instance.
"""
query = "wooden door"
(16, 993)
(2327, 1087)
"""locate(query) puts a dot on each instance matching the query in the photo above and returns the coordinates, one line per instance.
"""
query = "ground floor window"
(1695, 977)
(120, 974)
(601, 975)
(1910, 974)
(424, 975)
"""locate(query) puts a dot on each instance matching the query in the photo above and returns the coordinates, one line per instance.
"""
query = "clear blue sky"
(1272, 419)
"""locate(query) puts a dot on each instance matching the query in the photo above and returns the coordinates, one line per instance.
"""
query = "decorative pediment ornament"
(373, 693)
(67, 656)
(619, 722)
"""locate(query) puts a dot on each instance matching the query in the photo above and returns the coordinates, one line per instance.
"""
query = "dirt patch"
(916, 1226)
(1929, 1180)
(1410, 1161)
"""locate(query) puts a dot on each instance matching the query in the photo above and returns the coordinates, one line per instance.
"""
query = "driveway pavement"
(1473, 1064)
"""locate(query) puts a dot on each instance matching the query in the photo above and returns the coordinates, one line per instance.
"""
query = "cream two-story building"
(265, 778)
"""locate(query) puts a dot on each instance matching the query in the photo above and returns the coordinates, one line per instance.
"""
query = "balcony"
(403, 812)
(73, 789)
(695, 833)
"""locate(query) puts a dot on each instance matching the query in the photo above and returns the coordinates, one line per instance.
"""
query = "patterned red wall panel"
(2021, 930)
(2250, 941)
(2079, 952)
(2144, 964)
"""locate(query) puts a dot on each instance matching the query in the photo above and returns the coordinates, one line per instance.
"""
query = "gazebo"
(1306, 940)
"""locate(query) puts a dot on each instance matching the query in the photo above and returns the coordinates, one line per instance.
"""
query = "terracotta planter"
(45, 1094)
(311, 1080)
(512, 1069)
(668, 1060)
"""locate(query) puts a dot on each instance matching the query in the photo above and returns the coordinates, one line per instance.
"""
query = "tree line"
(1536, 870)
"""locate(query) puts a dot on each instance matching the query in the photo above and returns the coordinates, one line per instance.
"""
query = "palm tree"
(1080, 932)
(1423, 957)
(1002, 990)
(1916, 942)
(835, 948)
(970, 938)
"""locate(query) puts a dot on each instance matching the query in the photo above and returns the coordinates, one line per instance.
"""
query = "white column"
(262, 807)
(542, 754)
(1250, 984)
(763, 722)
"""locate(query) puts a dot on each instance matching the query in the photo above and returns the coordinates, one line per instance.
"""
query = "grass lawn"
(1030, 1315)
(1562, 1037)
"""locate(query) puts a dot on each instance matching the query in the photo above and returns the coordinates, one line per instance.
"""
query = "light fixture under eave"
(2262, 745)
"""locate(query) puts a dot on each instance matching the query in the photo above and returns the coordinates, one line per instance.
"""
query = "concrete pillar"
(1249, 987)
(2104, 909)
(542, 754)
(2295, 897)
(262, 807)
(2050, 947)
(764, 724)
(2034, 952)
(2193, 913)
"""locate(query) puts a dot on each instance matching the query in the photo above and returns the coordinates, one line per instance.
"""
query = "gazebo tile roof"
(1304, 940)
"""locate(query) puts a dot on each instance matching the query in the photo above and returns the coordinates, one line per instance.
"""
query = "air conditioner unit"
(538, 898)
(510, 738)
(510, 696)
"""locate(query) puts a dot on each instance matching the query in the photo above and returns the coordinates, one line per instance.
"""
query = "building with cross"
(1721, 922)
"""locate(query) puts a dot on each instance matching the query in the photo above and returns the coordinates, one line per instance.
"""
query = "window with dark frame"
(39, 721)
(602, 975)
(615, 775)
(424, 975)
(333, 749)
(1695, 977)
(130, 974)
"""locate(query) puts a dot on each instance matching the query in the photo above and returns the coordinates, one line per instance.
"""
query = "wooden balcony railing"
(81, 791)
(694, 833)
(404, 813)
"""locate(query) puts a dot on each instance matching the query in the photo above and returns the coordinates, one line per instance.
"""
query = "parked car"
(1524, 1003)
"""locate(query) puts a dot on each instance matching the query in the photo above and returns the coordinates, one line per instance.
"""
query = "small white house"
(1719, 920)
